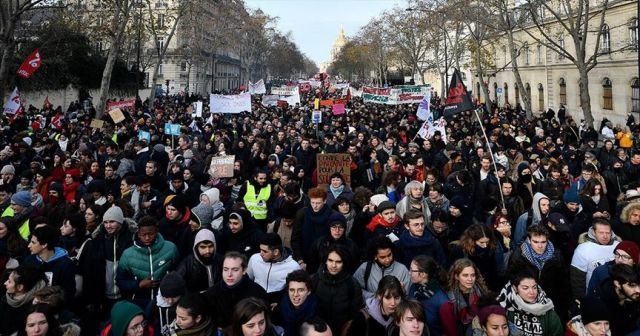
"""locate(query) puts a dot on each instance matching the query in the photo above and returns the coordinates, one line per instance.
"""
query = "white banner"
(230, 103)
(12, 106)
(315, 83)
(424, 109)
(341, 85)
(291, 100)
(257, 87)
(285, 90)
(355, 92)
(270, 100)
(197, 109)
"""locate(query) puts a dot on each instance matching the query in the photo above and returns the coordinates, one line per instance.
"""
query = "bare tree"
(409, 36)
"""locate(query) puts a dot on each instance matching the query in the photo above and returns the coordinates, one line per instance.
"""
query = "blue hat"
(22, 198)
(571, 196)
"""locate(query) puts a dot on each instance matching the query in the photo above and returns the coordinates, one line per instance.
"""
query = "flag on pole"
(424, 109)
(458, 98)
(30, 64)
(13, 105)
(47, 104)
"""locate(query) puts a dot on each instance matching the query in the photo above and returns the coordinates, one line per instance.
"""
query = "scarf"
(378, 220)
(292, 317)
(511, 301)
(350, 217)
(204, 328)
(336, 191)
(426, 290)
(538, 260)
(461, 308)
(16, 301)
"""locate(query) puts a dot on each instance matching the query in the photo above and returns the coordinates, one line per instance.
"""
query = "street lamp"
(446, 53)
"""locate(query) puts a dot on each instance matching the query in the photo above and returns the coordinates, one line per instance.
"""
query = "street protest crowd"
(531, 230)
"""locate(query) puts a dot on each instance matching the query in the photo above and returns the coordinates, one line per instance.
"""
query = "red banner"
(304, 87)
(30, 64)
(121, 104)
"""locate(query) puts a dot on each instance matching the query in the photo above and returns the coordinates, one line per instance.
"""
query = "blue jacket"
(431, 308)
(60, 271)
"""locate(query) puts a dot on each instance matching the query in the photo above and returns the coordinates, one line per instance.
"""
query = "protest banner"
(230, 103)
(144, 135)
(172, 129)
(285, 90)
(96, 123)
(131, 102)
(270, 100)
(197, 109)
(12, 106)
(316, 117)
(406, 94)
(116, 115)
(338, 109)
(424, 109)
(257, 87)
(222, 166)
(332, 163)
(30, 64)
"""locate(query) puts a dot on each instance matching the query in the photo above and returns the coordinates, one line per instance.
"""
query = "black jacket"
(339, 297)
(222, 298)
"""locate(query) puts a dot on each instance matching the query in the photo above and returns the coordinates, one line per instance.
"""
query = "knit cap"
(571, 196)
(56, 186)
(121, 314)
(377, 199)
(22, 198)
(177, 201)
(337, 218)
(204, 213)
(8, 169)
(458, 202)
(114, 213)
(485, 312)
(522, 166)
(631, 248)
(172, 286)
(593, 309)
(386, 205)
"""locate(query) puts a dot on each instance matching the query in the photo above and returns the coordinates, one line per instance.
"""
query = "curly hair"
(627, 210)
(457, 268)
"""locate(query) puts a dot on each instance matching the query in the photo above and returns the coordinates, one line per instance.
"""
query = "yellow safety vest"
(257, 204)
(23, 230)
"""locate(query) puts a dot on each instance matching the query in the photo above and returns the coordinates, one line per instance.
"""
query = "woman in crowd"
(465, 286)
(504, 244)
(251, 318)
(345, 207)
(427, 280)
(594, 201)
(478, 244)
(379, 310)
(72, 233)
(93, 218)
(11, 243)
(528, 306)
(191, 317)
(40, 321)
(21, 286)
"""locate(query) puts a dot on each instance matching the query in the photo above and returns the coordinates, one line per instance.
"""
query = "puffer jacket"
(139, 262)
(198, 275)
(339, 297)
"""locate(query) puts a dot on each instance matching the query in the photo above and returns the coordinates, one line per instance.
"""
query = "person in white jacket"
(269, 268)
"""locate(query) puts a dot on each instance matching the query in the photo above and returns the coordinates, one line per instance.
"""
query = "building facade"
(551, 80)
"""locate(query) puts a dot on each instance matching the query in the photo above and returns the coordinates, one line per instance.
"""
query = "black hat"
(172, 286)
(386, 205)
(559, 222)
(594, 309)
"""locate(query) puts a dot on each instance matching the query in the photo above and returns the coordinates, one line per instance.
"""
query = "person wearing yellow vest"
(258, 197)
(21, 210)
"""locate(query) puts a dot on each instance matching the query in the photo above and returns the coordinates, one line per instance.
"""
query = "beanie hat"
(115, 214)
(172, 286)
(593, 309)
(22, 198)
(386, 205)
(56, 186)
(522, 166)
(177, 202)
(631, 248)
(75, 173)
(571, 196)
(8, 169)
(377, 199)
(337, 218)
(121, 314)
(204, 214)
(159, 148)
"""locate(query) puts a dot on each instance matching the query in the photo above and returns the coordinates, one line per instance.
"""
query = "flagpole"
(495, 167)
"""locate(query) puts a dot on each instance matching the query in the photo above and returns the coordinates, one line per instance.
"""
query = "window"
(540, 97)
(506, 93)
(607, 94)
(635, 95)
(160, 69)
(160, 43)
(98, 46)
(633, 33)
(495, 92)
(478, 91)
(504, 54)
(605, 39)
(527, 89)
(183, 66)
(160, 21)
(563, 92)
(526, 54)
(517, 94)
(561, 44)
(539, 53)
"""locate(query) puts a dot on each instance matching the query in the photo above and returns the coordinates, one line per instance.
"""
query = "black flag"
(458, 99)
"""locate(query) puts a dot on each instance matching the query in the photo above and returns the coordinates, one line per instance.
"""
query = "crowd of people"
(531, 230)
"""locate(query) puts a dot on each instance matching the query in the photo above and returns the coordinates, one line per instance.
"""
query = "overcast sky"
(315, 23)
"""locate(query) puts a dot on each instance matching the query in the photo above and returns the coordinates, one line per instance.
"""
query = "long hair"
(457, 268)
(389, 286)
(53, 324)
(244, 311)
(474, 233)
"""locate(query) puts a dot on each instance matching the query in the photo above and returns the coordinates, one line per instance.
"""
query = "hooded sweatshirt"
(59, 269)
(199, 274)
(529, 218)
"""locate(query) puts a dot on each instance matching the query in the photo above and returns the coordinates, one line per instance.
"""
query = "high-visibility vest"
(257, 204)
(23, 230)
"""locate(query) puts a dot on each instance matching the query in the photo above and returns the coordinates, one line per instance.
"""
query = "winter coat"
(431, 308)
(245, 241)
(140, 262)
(346, 193)
(271, 275)
(625, 316)
(221, 298)
(409, 247)
(198, 275)
(339, 297)
(307, 227)
(60, 271)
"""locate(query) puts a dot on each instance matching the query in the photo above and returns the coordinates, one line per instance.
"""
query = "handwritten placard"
(117, 115)
(222, 166)
(331, 163)
(96, 123)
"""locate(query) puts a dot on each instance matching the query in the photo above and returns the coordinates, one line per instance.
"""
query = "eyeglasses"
(139, 326)
(622, 256)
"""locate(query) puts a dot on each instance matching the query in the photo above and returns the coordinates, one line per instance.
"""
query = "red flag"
(30, 64)
(47, 104)
(348, 97)
(56, 121)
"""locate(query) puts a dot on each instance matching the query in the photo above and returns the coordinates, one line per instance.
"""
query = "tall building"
(338, 44)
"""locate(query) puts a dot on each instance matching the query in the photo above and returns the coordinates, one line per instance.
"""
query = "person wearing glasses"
(413, 241)
(127, 319)
(627, 252)
(504, 244)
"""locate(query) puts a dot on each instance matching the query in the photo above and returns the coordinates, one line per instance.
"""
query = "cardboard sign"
(222, 166)
(196, 109)
(117, 115)
(331, 163)
(96, 123)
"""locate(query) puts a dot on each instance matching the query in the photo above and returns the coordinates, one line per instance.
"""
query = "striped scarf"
(538, 260)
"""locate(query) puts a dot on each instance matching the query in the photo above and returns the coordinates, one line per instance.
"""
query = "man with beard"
(202, 269)
(621, 296)
(258, 197)
(512, 203)
(571, 210)
(534, 216)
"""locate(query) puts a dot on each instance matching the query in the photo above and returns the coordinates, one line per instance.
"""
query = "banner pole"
(495, 167)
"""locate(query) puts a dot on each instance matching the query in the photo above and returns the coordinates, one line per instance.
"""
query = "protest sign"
(222, 166)
(172, 129)
(230, 103)
(131, 102)
(332, 163)
(96, 123)
(197, 109)
(12, 106)
(285, 90)
(257, 87)
(338, 109)
(406, 94)
(316, 117)
(116, 115)
(144, 135)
